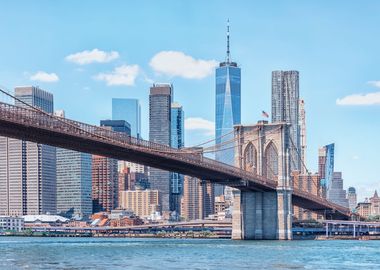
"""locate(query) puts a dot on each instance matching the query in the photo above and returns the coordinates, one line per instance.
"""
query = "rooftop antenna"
(228, 41)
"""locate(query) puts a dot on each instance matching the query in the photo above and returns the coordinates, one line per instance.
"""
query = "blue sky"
(86, 52)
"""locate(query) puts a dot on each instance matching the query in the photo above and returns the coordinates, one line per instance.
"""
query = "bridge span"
(37, 126)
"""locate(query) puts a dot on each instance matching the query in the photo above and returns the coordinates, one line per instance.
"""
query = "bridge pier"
(262, 215)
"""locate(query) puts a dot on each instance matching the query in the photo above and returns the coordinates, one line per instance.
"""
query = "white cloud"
(122, 75)
(174, 63)
(44, 77)
(374, 83)
(94, 56)
(198, 123)
(360, 99)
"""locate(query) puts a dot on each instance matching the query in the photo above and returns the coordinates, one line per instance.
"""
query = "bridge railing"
(44, 120)
(37, 118)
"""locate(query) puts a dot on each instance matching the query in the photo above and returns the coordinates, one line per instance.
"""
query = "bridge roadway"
(36, 126)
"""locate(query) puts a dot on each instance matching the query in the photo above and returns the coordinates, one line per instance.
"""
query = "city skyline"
(344, 70)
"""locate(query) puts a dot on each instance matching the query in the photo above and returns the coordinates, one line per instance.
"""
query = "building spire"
(228, 41)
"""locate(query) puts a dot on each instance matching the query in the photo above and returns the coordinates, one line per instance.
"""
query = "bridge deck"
(36, 126)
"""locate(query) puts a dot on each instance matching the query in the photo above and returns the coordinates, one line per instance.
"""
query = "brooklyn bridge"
(263, 194)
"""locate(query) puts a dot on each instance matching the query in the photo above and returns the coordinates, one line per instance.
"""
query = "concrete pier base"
(262, 215)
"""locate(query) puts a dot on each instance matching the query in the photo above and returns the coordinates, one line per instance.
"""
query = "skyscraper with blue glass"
(128, 109)
(177, 141)
(227, 109)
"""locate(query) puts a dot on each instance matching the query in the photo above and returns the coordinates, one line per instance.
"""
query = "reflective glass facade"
(128, 109)
(228, 108)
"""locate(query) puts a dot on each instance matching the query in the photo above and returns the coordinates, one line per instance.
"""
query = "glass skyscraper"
(227, 109)
(326, 167)
(160, 100)
(128, 109)
(177, 141)
(285, 108)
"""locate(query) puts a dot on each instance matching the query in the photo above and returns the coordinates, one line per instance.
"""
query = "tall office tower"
(352, 198)
(160, 100)
(104, 184)
(285, 103)
(128, 109)
(326, 167)
(177, 141)
(336, 193)
(74, 181)
(227, 109)
(133, 167)
(27, 169)
(302, 125)
(121, 126)
(198, 199)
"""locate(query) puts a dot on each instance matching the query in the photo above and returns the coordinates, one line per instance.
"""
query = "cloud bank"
(122, 75)
(200, 124)
(94, 56)
(175, 63)
(43, 76)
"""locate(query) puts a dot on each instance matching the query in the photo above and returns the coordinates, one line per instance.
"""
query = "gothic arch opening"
(271, 161)
(250, 158)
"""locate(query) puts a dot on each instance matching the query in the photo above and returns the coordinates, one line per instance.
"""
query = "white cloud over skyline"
(43, 76)
(198, 123)
(175, 63)
(360, 99)
(374, 83)
(122, 75)
(94, 56)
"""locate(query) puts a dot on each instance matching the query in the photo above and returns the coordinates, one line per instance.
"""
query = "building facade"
(15, 224)
(142, 202)
(104, 184)
(74, 183)
(160, 100)
(27, 169)
(326, 167)
(197, 201)
(352, 198)
(308, 183)
(302, 125)
(285, 108)
(375, 204)
(227, 109)
(128, 109)
(336, 193)
(177, 141)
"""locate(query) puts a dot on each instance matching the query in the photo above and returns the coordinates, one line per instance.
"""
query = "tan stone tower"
(264, 150)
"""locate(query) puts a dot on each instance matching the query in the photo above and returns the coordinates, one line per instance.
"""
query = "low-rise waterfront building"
(11, 223)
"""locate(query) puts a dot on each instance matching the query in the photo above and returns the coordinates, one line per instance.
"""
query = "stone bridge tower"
(259, 214)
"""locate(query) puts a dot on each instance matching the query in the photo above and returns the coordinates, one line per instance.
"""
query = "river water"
(126, 253)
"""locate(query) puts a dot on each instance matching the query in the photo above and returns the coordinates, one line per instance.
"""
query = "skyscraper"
(177, 141)
(285, 103)
(74, 181)
(160, 100)
(336, 193)
(326, 167)
(352, 198)
(27, 169)
(198, 199)
(227, 109)
(302, 124)
(128, 109)
(105, 177)
(105, 184)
